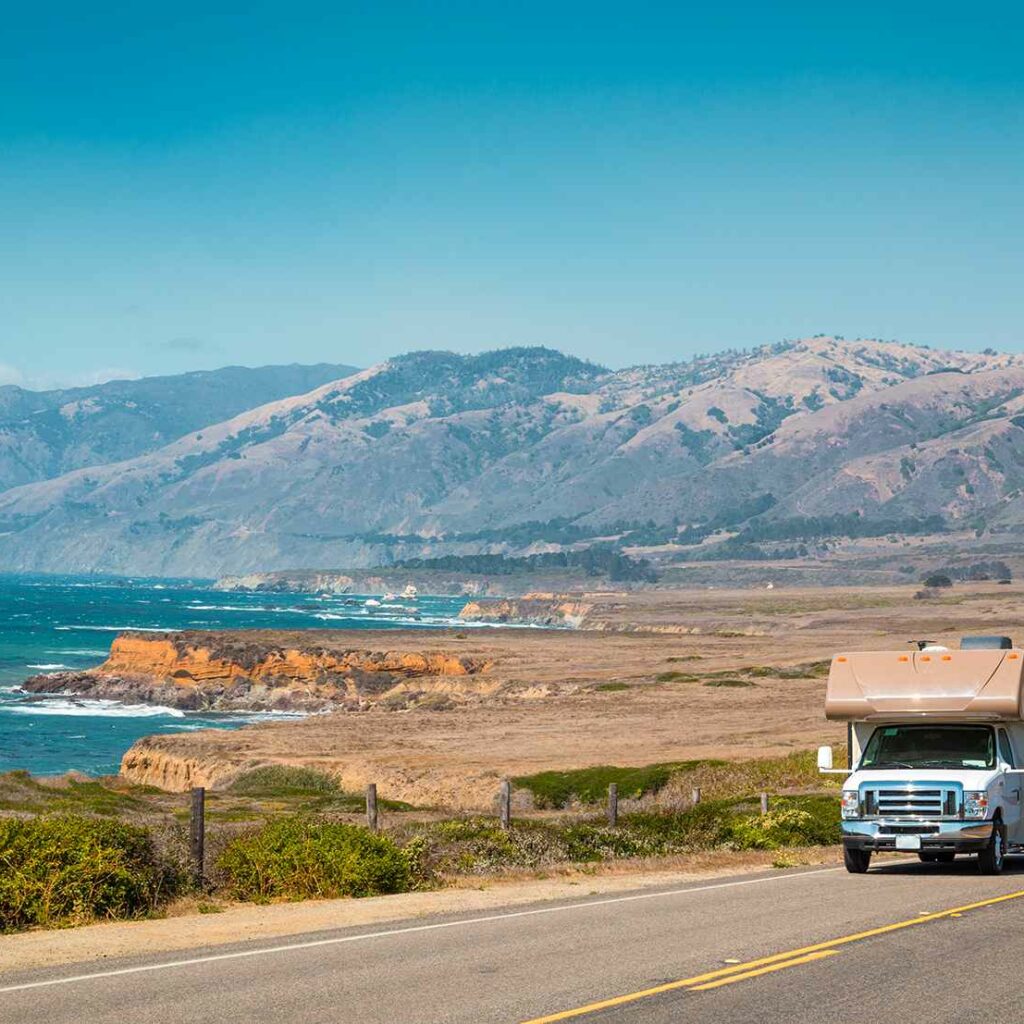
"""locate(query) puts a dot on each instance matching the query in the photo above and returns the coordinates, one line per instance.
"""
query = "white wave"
(120, 629)
(92, 709)
(83, 651)
(236, 718)
(220, 608)
(55, 666)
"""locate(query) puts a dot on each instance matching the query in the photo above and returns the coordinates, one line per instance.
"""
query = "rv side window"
(1006, 750)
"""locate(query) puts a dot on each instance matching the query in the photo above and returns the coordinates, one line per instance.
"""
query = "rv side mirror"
(824, 759)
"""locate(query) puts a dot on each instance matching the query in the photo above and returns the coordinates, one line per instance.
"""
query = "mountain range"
(46, 433)
(518, 450)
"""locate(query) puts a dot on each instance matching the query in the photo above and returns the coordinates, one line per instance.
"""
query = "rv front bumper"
(935, 836)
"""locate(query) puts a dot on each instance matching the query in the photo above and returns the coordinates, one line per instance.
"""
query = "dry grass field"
(653, 677)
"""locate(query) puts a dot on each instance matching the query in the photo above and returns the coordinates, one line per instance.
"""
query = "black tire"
(856, 861)
(990, 860)
(937, 858)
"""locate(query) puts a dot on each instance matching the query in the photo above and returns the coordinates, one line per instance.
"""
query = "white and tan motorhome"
(936, 737)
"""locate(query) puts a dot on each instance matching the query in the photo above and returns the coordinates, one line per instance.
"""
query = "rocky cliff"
(354, 581)
(265, 672)
(530, 610)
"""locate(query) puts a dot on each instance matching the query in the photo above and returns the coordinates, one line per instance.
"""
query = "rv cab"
(935, 742)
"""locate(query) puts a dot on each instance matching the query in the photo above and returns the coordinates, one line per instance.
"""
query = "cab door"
(1012, 785)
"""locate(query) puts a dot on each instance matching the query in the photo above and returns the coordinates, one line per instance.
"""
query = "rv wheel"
(856, 861)
(990, 860)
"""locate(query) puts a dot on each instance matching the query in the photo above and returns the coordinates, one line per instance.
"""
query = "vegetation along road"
(802, 946)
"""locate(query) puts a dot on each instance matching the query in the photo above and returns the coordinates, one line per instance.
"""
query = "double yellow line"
(768, 964)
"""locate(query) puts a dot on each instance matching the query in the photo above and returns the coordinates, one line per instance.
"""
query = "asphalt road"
(905, 942)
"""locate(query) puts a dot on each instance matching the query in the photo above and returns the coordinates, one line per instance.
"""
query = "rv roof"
(979, 684)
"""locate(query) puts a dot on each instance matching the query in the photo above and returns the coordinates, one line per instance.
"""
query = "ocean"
(52, 623)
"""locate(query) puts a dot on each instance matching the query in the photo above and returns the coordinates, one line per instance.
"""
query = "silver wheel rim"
(997, 846)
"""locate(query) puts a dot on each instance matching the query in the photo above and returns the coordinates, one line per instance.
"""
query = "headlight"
(975, 805)
(851, 803)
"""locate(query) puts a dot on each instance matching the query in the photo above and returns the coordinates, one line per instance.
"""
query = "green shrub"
(480, 844)
(590, 785)
(283, 780)
(20, 792)
(68, 869)
(304, 858)
(808, 821)
(786, 826)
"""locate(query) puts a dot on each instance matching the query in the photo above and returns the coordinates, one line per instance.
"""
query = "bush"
(304, 858)
(813, 822)
(590, 785)
(69, 869)
(283, 780)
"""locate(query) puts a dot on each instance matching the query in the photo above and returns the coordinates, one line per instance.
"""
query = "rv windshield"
(931, 746)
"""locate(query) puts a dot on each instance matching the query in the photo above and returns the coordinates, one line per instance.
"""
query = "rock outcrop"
(531, 610)
(287, 583)
(256, 671)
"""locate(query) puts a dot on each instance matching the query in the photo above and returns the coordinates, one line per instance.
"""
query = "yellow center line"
(750, 965)
(810, 958)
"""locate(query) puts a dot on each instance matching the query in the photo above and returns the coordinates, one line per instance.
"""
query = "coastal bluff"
(270, 671)
(533, 609)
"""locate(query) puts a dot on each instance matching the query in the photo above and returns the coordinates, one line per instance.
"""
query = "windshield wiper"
(891, 764)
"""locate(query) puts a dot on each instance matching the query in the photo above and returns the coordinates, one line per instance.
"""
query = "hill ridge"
(411, 457)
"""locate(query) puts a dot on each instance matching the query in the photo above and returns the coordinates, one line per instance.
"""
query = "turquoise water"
(53, 623)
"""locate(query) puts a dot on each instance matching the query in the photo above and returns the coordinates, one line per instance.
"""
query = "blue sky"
(631, 183)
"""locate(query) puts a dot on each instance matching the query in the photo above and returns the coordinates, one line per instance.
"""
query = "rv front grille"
(911, 802)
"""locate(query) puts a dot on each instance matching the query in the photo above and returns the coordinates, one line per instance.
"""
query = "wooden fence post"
(197, 833)
(764, 803)
(505, 803)
(613, 804)
(371, 806)
(695, 795)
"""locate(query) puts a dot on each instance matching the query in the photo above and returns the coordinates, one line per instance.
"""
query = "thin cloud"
(11, 375)
(102, 376)
(85, 379)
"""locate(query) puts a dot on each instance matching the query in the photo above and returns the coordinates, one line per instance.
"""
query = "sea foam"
(92, 709)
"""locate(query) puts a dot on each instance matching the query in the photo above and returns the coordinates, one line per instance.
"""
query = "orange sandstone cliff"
(256, 671)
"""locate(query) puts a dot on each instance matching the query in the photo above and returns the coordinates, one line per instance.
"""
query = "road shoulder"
(108, 941)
